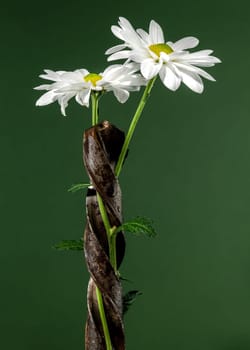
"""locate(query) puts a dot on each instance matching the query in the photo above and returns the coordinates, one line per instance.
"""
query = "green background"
(188, 169)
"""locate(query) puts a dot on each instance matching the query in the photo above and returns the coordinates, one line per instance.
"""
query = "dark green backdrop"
(188, 169)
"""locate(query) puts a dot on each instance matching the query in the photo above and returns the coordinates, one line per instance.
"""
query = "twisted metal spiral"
(101, 148)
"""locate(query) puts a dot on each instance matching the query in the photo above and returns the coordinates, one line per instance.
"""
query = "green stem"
(133, 124)
(103, 319)
(112, 250)
(110, 236)
(94, 100)
(104, 214)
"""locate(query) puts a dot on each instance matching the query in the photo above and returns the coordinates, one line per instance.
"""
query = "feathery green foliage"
(128, 299)
(139, 225)
(69, 245)
(78, 187)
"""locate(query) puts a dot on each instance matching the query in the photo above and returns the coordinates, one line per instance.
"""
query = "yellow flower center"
(158, 48)
(93, 78)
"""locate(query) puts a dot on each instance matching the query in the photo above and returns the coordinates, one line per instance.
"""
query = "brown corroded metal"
(101, 148)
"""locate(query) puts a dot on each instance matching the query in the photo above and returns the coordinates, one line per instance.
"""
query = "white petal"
(204, 74)
(206, 62)
(208, 59)
(121, 95)
(110, 72)
(149, 68)
(83, 72)
(185, 43)
(169, 78)
(115, 49)
(165, 57)
(200, 58)
(83, 97)
(72, 77)
(139, 55)
(144, 35)
(197, 70)
(129, 34)
(192, 80)
(125, 24)
(73, 88)
(51, 75)
(43, 87)
(199, 54)
(200, 63)
(215, 59)
(117, 72)
(156, 33)
(119, 55)
(63, 102)
(117, 31)
(138, 81)
(134, 66)
(47, 98)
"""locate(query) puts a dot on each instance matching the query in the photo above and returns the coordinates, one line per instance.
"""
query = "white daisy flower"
(171, 61)
(120, 79)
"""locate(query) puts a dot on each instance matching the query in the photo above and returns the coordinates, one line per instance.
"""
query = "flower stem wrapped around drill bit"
(147, 55)
(102, 145)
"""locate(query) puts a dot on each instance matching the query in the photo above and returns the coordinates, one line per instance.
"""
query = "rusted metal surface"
(101, 148)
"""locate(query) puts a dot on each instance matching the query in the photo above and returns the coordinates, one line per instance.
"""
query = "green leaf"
(128, 299)
(69, 245)
(77, 187)
(124, 279)
(139, 225)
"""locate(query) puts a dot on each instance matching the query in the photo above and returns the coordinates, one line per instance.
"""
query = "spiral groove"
(101, 148)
